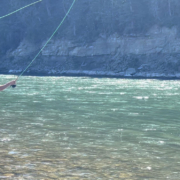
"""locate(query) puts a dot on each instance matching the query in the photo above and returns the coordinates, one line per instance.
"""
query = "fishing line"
(49, 38)
(20, 9)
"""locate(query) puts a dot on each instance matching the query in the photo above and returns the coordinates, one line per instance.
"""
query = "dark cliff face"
(101, 35)
(88, 19)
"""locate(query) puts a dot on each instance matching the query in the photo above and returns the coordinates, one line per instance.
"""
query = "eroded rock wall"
(154, 55)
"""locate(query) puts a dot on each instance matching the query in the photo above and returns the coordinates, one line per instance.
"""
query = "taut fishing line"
(19, 9)
(49, 38)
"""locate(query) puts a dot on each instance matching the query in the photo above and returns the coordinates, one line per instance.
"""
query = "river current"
(90, 128)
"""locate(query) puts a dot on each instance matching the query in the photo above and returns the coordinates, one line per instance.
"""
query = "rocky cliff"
(97, 43)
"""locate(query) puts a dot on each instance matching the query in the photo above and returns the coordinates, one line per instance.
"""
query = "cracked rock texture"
(129, 52)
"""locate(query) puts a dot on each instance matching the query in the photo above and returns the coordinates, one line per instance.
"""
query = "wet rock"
(125, 176)
(8, 175)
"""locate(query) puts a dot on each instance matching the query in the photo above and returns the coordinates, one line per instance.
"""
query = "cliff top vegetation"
(88, 20)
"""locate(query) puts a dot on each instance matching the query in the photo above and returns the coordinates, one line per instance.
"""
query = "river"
(90, 128)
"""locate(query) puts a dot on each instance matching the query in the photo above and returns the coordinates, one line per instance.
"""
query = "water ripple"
(89, 128)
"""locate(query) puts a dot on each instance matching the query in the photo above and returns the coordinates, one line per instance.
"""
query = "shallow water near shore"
(89, 128)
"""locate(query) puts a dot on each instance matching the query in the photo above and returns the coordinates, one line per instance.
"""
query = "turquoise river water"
(90, 128)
